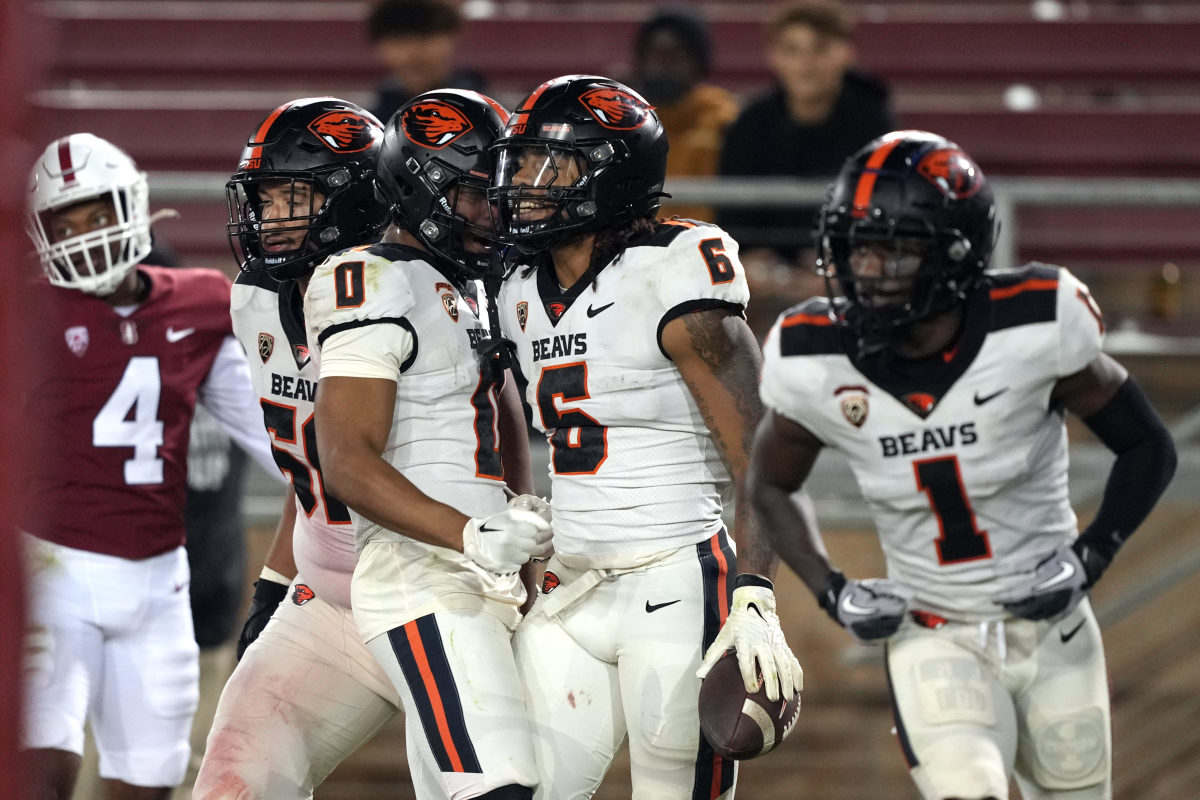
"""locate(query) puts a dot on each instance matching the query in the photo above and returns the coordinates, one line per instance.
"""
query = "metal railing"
(1011, 193)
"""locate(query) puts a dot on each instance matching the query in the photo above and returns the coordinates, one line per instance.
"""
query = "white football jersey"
(444, 433)
(268, 319)
(633, 467)
(960, 458)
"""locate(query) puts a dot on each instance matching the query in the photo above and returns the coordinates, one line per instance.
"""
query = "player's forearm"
(792, 534)
(280, 556)
(1144, 466)
(377, 491)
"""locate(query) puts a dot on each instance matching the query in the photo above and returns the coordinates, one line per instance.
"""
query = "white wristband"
(276, 577)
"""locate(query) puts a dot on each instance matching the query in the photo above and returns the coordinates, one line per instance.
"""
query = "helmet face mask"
(582, 153)
(303, 189)
(79, 184)
(434, 172)
(904, 235)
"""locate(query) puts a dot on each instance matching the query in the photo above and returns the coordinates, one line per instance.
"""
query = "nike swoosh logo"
(850, 607)
(1067, 636)
(1066, 571)
(486, 529)
(652, 607)
(591, 312)
(176, 335)
(988, 398)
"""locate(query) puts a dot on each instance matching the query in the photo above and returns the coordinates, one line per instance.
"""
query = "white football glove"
(752, 631)
(539, 506)
(503, 542)
(870, 609)
(1048, 586)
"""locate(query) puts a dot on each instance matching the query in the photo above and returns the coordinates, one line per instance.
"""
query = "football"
(739, 724)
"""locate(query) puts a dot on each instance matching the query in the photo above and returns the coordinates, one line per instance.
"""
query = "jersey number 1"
(961, 540)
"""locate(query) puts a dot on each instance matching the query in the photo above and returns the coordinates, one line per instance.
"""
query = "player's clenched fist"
(869, 609)
(503, 542)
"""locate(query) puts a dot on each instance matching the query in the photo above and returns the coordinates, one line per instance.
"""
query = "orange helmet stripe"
(260, 135)
(866, 181)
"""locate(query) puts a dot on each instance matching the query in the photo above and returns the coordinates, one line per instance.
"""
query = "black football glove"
(267, 596)
(870, 609)
(1053, 584)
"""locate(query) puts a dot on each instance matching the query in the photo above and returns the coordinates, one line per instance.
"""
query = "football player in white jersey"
(641, 371)
(307, 693)
(946, 388)
(410, 424)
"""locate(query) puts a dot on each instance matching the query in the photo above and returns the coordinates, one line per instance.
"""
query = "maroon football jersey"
(112, 399)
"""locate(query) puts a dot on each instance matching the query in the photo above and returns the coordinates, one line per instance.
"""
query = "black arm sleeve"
(1145, 463)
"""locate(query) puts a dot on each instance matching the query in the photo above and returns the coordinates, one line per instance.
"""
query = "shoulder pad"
(806, 329)
(1024, 297)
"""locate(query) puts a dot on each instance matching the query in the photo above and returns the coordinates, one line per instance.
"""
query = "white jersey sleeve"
(359, 335)
(227, 394)
(1081, 328)
(699, 267)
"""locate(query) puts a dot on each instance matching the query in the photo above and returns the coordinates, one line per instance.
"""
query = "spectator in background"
(416, 41)
(672, 55)
(819, 113)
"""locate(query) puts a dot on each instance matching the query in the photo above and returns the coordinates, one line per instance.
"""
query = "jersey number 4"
(961, 540)
(129, 418)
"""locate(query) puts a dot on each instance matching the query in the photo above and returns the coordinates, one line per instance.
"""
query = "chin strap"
(496, 348)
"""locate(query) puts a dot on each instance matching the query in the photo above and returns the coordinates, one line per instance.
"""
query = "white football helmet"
(75, 169)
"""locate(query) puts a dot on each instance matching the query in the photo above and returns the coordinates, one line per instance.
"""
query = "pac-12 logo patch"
(451, 306)
(266, 346)
(77, 339)
(855, 406)
(522, 314)
(345, 131)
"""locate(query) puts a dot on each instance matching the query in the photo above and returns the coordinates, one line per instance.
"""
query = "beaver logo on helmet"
(953, 172)
(615, 109)
(434, 124)
(344, 131)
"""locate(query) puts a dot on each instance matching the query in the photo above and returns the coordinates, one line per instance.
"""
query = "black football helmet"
(311, 145)
(580, 153)
(920, 198)
(434, 171)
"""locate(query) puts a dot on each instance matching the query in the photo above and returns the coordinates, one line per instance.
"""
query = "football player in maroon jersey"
(110, 638)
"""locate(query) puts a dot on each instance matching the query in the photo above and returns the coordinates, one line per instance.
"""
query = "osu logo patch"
(615, 108)
(920, 403)
(344, 131)
(556, 309)
(549, 582)
(522, 314)
(301, 594)
(952, 172)
(434, 124)
(266, 346)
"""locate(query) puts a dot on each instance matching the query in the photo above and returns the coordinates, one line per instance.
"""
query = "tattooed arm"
(719, 360)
